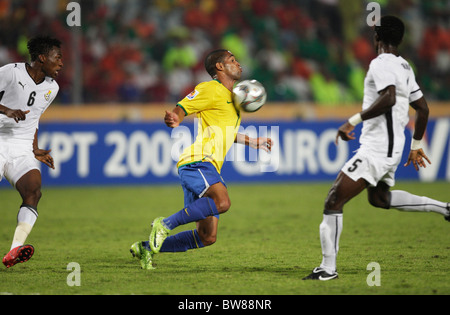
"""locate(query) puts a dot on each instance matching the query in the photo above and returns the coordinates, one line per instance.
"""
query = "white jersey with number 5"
(19, 91)
(384, 135)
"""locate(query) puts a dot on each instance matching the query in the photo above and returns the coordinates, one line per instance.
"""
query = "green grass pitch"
(267, 242)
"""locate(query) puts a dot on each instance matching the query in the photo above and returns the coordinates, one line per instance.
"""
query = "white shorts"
(16, 160)
(372, 167)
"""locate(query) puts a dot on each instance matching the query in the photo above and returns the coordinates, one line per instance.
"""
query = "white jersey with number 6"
(19, 91)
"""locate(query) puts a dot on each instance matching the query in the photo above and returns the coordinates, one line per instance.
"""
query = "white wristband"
(416, 144)
(355, 119)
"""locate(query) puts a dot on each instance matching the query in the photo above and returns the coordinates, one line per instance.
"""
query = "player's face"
(53, 63)
(232, 67)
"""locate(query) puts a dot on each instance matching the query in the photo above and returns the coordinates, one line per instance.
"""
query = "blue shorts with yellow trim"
(196, 178)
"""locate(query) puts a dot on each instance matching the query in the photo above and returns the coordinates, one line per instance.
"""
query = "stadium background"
(131, 60)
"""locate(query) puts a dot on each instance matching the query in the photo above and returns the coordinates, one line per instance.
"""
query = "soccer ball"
(249, 95)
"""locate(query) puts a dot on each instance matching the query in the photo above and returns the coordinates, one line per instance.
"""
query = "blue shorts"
(196, 178)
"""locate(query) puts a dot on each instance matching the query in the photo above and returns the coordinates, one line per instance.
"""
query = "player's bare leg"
(219, 193)
(207, 230)
(29, 187)
(342, 191)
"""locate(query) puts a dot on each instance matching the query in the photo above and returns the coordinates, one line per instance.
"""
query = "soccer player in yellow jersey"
(199, 166)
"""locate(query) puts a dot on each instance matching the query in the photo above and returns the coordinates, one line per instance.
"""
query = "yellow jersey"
(218, 123)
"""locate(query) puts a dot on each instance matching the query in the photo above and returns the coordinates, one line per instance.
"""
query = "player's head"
(390, 31)
(214, 57)
(222, 60)
(46, 51)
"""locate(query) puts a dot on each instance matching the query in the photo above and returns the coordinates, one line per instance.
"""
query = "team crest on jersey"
(192, 95)
(47, 96)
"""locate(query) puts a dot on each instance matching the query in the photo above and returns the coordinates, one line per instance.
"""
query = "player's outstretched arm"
(258, 143)
(42, 155)
(417, 156)
(421, 121)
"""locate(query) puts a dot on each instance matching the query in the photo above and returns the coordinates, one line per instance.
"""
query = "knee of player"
(330, 201)
(207, 238)
(379, 201)
(223, 205)
(37, 194)
(32, 196)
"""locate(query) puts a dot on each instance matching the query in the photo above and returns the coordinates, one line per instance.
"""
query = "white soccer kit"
(383, 138)
(19, 91)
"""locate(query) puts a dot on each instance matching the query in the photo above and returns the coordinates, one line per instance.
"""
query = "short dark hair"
(41, 45)
(391, 30)
(212, 58)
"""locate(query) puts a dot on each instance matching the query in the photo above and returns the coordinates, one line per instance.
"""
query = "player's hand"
(16, 114)
(345, 132)
(45, 157)
(262, 143)
(171, 119)
(417, 158)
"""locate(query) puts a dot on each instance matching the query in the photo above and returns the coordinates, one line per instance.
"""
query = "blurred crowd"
(301, 50)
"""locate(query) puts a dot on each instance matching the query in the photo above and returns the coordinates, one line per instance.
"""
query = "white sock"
(26, 218)
(330, 232)
(404, 201)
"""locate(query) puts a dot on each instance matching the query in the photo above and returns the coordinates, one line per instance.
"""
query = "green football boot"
(145, 256)
(158, 235)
